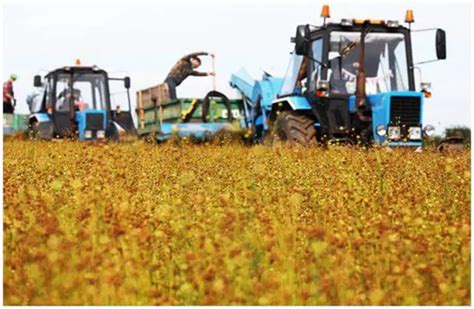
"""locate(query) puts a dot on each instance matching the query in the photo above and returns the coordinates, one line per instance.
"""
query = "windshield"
(83, 91)
(385, 62)
(291, 76)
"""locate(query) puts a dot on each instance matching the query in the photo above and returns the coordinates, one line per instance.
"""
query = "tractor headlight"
(101, 134)
(414, 133)
(394, 133)
(87, 134)
(429, 130)
(392, 23)
(381, 131)
(347, 22)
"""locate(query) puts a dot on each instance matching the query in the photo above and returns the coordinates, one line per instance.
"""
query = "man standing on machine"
(182, 69)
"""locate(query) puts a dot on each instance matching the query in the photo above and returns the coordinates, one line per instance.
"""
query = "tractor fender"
(44, 125)
(296, 103)
(40, 117)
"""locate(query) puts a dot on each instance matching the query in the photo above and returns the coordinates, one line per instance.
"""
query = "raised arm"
(187, 57)
(197, 73)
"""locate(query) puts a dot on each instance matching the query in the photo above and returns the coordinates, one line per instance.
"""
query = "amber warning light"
(325, 11)
(409, 18)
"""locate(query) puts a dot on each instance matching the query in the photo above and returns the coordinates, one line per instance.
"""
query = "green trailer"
(186, 117)
(14, 123)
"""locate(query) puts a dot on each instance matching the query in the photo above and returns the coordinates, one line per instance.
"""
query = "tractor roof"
(78, 69)
(357, 24)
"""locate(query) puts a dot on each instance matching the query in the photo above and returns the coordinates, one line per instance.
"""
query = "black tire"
(33, 131)
(292, 128)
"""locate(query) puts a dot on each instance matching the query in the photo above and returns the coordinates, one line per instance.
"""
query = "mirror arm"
(419, 72)
(129, 102)
(421, 30)
(318, 62)
(423, 62)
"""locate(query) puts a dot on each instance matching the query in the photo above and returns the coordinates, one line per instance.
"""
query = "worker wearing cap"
(182, 69)
(9, 100)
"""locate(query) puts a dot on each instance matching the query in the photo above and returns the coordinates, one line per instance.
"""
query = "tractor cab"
(358, 78)
(75, 102)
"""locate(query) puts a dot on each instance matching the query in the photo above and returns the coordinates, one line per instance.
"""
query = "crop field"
(134, 224)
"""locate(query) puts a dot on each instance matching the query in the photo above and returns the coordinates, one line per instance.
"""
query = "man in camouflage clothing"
(182, 69)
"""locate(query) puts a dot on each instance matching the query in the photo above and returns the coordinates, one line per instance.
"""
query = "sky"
(144, 39)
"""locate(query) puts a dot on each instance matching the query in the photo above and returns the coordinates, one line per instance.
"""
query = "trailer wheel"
(293, 128)
(33, 130)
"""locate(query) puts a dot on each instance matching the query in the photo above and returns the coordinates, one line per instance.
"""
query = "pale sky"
(145, 39)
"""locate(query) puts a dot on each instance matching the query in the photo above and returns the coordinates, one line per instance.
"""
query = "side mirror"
(440, 44)
(126, 82)
(301, 40)
(37, 81)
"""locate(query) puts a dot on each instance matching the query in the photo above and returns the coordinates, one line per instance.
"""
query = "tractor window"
(90, 91)
(35, 100)
(86, 90)
(385, 62)
(315, 68)
(291, 76)
(38, 99)
(63, 93)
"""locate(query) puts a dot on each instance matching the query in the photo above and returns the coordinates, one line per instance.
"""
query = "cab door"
(63, 106)
(332, 110)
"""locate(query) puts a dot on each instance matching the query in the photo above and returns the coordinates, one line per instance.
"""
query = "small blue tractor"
(349, 82)
(74, 102)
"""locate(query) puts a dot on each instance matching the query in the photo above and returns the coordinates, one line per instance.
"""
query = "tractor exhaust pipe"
(361, 104)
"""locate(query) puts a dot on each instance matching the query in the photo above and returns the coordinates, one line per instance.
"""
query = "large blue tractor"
(348, 82)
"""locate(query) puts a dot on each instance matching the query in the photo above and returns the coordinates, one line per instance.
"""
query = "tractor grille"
(405, 111)
(95, 121)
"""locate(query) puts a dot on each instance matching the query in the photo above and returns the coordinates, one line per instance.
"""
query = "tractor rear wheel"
(293, 128)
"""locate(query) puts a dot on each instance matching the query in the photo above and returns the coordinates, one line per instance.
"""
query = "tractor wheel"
(33, 131)
(292, 128)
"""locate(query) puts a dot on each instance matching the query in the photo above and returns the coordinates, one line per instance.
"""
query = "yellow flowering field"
(134, 223)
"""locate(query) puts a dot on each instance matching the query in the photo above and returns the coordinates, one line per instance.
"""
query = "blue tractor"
(74, 102)
(348, 82)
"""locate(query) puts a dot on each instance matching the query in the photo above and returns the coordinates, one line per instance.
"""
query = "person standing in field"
(9, 101)
(185, 67)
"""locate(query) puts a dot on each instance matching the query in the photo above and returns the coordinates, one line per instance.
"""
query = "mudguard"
(44, 126)
(40, 117)
(125, 121)
(296, 103)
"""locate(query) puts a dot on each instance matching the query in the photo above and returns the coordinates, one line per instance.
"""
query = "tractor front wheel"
(293, 128)
(33, 130)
